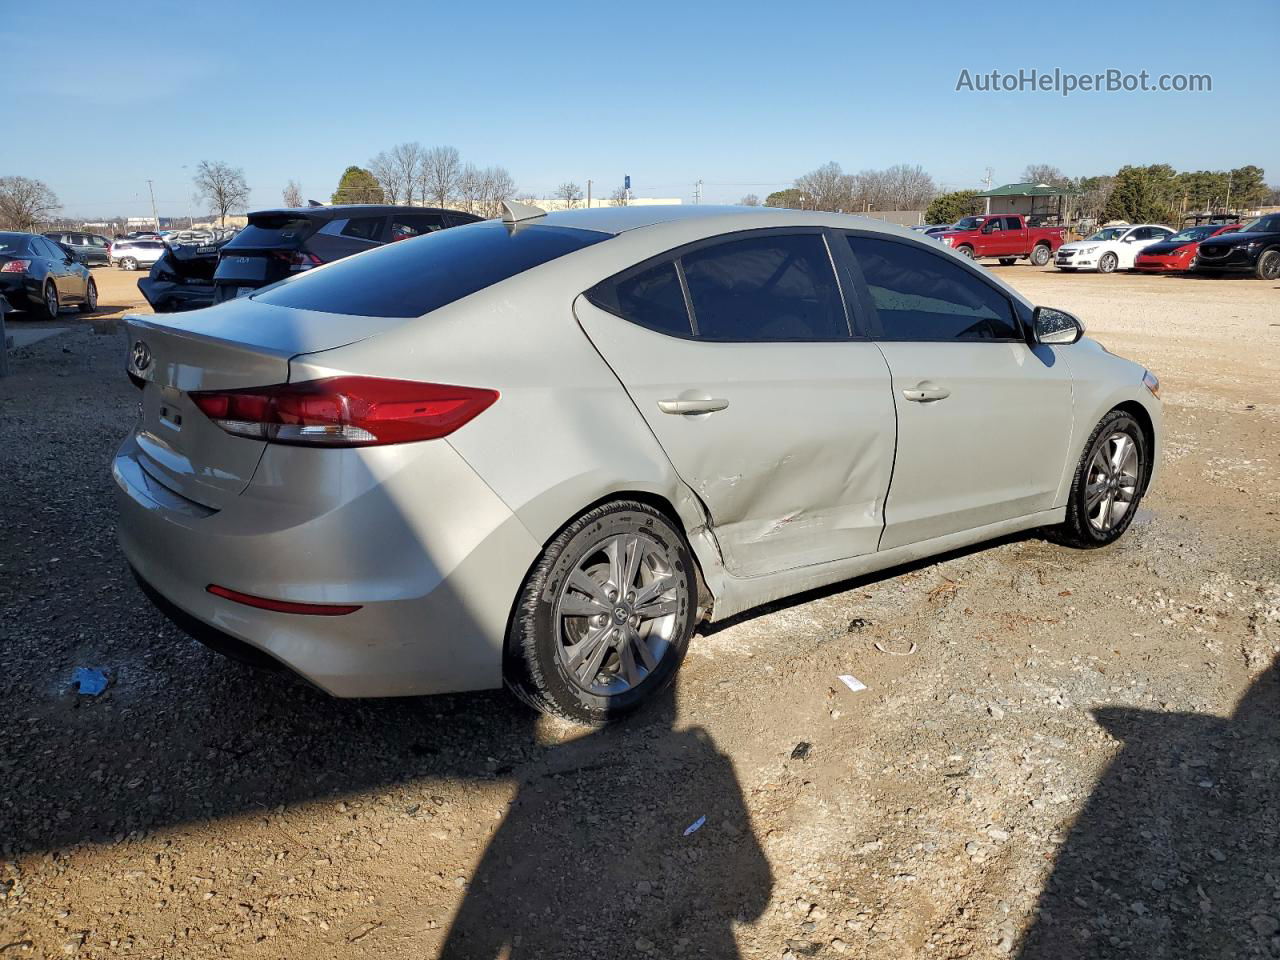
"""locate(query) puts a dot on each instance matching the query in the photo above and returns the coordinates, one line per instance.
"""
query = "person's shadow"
(605, 852)
(1177, 853)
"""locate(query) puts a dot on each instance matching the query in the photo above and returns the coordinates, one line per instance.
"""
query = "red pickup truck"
(1005, 236)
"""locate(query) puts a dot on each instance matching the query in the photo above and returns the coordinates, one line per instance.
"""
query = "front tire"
(1109, 483)
(1268, 266)
(1108, 262)
(603, 620)
(128, 263)
(965, 251)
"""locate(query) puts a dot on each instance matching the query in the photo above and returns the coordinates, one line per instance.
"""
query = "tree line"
(1154, 193)
(901, 187)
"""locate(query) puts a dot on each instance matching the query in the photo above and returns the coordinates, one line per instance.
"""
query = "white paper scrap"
(853, 683)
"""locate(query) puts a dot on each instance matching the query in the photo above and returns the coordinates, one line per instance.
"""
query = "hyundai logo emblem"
(141, 356)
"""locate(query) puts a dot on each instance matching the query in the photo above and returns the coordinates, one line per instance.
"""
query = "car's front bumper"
(1075, 261)
(1237, 260)
(1156, 263)
(417, 539)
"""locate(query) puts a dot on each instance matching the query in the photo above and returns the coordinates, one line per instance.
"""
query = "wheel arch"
(1140, 413)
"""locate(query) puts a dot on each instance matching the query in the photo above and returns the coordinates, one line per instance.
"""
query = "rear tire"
(1008, 261)
(1108, 485)
(1268, 266)
(90, 297)
(1040, 254)
(1108, 262)
(50, 306)
(630, 573)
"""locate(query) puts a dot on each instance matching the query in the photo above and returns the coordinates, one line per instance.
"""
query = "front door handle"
(926, 392)
(685, 407)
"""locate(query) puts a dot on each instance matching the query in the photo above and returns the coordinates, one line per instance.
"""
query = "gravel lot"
(1059, 754)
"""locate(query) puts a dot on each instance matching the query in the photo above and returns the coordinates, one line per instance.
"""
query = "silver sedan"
(540, 450)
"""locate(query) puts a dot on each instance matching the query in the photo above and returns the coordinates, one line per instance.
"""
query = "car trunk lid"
(264, 251)
(236, 345)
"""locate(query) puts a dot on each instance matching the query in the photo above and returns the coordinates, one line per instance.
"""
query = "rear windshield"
(275, 231)
(414, 277)
(9, 245)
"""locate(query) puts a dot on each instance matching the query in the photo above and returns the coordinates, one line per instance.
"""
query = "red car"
(1176, 254)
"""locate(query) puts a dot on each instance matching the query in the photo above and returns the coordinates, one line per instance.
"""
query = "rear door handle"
(687, 407)
(926, 393)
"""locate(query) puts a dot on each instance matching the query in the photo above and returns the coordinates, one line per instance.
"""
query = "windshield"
(1194, 233)
(969, 223)
(1111, 233)
(1267, 224)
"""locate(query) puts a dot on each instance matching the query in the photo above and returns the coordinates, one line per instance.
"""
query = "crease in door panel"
(897, 430)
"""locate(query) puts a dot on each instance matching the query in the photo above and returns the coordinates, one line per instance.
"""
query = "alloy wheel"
(1113, 481)
(616, 615)
(51, 299)
(91, 295)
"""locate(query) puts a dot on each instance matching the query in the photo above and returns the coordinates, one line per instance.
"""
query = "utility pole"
(697, 192)
(987, 178)
(588, 193)
(154, 216)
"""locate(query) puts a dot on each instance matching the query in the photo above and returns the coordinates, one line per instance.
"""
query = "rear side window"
(425, 273)
(771, 287)
(1011, 223)
(920, 295)
(406, 225)
(651, 298)
(364, 228)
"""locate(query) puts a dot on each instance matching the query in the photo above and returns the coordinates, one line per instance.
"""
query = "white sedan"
(1111, 248)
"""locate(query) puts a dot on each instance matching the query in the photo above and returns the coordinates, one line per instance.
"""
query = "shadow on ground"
(1177, 853)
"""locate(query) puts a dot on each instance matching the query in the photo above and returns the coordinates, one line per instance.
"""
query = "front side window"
(920, 295)
(771, 287)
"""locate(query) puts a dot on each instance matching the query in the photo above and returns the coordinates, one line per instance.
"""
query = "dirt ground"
(1059, 754)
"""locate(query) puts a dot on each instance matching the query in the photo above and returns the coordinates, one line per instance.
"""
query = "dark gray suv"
(90, 248)
(280, 243)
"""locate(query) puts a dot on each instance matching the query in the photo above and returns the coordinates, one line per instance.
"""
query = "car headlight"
(946, 241)
(1254, 245)
(1088, 249)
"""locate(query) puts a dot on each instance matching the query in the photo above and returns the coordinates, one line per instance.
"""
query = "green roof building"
(1038, 202)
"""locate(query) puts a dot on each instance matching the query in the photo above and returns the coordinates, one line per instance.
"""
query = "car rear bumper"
(429, 553)
(20, 290)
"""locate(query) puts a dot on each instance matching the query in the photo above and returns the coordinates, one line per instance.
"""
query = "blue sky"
(743, 95)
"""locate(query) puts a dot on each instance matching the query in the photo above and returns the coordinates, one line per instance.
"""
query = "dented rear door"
(794, 468)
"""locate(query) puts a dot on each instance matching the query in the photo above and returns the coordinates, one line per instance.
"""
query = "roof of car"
(617, 220)
(332, 210)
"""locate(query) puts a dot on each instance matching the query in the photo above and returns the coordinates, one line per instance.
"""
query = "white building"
(555, 203)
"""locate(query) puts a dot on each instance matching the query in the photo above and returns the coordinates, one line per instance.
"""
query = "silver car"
(541, 450)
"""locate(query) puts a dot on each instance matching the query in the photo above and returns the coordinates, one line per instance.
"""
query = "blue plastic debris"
(90, 680)
(696, 825)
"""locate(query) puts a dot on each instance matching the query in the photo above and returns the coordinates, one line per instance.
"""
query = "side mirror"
(1128, 239)
(1053, 326)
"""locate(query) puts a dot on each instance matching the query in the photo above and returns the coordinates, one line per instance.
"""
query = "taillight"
(15, 266)
(297, 259)
(345, 411)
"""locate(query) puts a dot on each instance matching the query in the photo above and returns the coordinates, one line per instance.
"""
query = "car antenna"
(515, 212)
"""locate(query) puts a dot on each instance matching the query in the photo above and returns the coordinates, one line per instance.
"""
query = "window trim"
(676, 254)
(876, 327)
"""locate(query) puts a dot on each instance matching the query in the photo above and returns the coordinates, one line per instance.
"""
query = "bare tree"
(1044, 173)
(387, 174)
(469, 188)
(618, 198)
(495, 185)
(908, 188)
(292, 195)
(406, 159)
(25, 203)
(827, 188)
(441, 168)
(750, 200)
(222, 186)
(570, 193)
